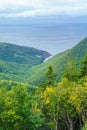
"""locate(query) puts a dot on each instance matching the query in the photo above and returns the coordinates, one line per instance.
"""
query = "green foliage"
(84, 67)
(16, 61)
(71, 70)
(57, 107)
(21, 54)
(66, 103)
(85, 127)
(59, 62)
(50, 76)
(19, 109)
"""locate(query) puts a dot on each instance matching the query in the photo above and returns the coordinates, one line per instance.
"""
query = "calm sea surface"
(53, 39)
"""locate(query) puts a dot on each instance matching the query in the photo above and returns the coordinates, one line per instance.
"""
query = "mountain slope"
(16, 61)
(58, 63)
(21, 54)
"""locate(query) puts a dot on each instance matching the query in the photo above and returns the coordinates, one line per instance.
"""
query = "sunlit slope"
(58, 63)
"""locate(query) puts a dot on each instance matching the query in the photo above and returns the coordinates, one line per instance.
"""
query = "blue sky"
(31, 8)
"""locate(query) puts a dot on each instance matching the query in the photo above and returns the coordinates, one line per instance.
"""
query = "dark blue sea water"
(53, 38)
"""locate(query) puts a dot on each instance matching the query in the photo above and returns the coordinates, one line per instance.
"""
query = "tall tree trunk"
(71, 126)
(70, 122)
(81, 124)
(56, 126)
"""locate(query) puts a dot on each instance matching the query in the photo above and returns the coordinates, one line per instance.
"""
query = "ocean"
(52, 38)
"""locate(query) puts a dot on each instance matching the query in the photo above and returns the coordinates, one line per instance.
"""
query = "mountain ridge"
(59, 61)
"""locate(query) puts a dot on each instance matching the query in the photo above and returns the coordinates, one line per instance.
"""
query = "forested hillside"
(16, 61)
(21, 54)
(59, 63)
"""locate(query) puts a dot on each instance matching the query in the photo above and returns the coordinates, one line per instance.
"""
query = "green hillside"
(16, 61)
(58, 63)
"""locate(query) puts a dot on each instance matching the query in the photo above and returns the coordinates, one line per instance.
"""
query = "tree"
(50, 76)
(50, 98)
(78, 98)
(57, 106)
(19, 109)
(84, 67)
(71, 72)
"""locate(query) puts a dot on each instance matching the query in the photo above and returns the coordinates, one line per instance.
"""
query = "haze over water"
(53, 39)
(49, 25)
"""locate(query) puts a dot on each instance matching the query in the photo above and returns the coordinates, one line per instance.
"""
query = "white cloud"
(20, 3)
(42, 7)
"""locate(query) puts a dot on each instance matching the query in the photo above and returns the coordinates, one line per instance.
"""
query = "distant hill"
(58, 62)
(21, 54)
(16, 61)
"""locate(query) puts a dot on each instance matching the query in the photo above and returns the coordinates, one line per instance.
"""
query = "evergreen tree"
(83, 71)
(50, 76)
(71, 72)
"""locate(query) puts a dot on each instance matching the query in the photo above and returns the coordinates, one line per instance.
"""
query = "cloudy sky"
(27, 8)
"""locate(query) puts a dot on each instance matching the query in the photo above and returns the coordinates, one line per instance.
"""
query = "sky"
(32, 8)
